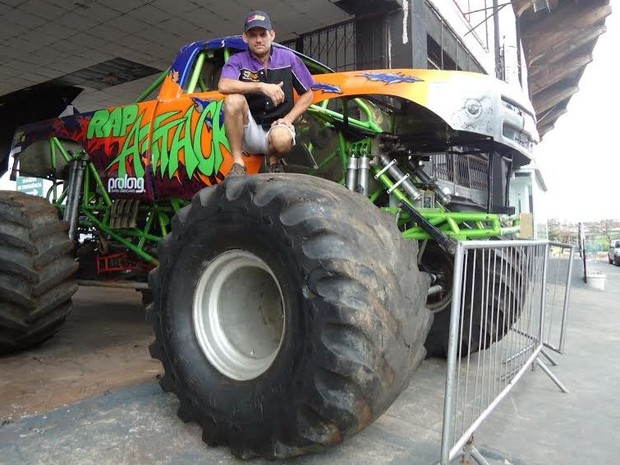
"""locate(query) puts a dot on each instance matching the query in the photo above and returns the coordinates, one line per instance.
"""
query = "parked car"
(614, 253)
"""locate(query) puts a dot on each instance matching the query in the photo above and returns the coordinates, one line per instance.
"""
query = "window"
(206, 71)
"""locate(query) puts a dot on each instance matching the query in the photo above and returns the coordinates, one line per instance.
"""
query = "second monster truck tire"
(36, 271)
(289, 313)
(485, 320)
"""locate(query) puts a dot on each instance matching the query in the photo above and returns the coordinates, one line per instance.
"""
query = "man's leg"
(235, 118)
(281, 139)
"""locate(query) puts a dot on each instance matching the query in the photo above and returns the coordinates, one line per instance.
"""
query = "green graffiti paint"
(95, 127)
(212, 162)
(106, 123)
(136, 143)
(187, 139)
(129, 115)
(160, 140)
(209, 163)
(166, 149)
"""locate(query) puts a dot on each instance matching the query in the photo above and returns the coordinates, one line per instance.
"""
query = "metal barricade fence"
(497, 331)
(559, 270)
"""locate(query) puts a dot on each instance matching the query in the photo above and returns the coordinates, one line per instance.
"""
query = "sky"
(580, 158)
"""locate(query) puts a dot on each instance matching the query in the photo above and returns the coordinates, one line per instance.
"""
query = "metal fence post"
(569, 273)
(450, 400)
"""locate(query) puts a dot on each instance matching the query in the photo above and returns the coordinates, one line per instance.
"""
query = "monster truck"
(289, 309)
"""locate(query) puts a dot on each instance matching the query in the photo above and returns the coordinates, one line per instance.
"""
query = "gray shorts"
(256, 139)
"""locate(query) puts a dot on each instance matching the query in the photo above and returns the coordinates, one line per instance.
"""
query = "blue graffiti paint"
(200, 105)
(390, 78)
(327, 88)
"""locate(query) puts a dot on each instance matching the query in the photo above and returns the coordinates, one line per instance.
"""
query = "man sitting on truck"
(259, 109)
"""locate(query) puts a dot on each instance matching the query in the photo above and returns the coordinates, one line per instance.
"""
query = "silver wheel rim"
(440, 305)
(238, 312)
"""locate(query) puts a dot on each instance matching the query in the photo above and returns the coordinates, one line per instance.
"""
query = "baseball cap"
(256, 18)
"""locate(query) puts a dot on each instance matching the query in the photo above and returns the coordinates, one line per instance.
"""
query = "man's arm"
(234, 86)
(301, 105)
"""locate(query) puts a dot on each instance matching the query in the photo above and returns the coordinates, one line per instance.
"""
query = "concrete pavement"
(535, 425)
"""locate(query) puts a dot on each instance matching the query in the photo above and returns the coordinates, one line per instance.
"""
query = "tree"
(609, 229)
(562, 232)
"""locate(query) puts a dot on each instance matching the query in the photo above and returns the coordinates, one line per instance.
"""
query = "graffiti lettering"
(105, 123)
(136, 143)
(194, 137)
(185, 145)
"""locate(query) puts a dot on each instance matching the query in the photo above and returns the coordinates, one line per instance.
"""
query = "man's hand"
(301, 105)
(274, 92)
(283, 121)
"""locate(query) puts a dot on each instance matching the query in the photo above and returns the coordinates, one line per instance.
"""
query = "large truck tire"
(289, 313)
(491, 319)
(36, 271)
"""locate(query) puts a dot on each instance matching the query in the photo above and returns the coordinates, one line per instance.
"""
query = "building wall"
(527, 195)
(440, 34)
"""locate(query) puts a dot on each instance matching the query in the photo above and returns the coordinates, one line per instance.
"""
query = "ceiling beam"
(551, 96)
(521, 6)
(542, 130)
(555, 54)
(552, 73)
(547, 123)
(568, 17)
(561, 45)
(549, 117)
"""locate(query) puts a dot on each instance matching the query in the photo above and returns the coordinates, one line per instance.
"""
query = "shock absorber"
(363, 171)
(391, 168)
(352, 168)
(358, 167)
(400, 179)
(72, 206)
(419, 172)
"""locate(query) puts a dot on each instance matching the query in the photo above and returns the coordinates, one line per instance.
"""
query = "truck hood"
(468, 102)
